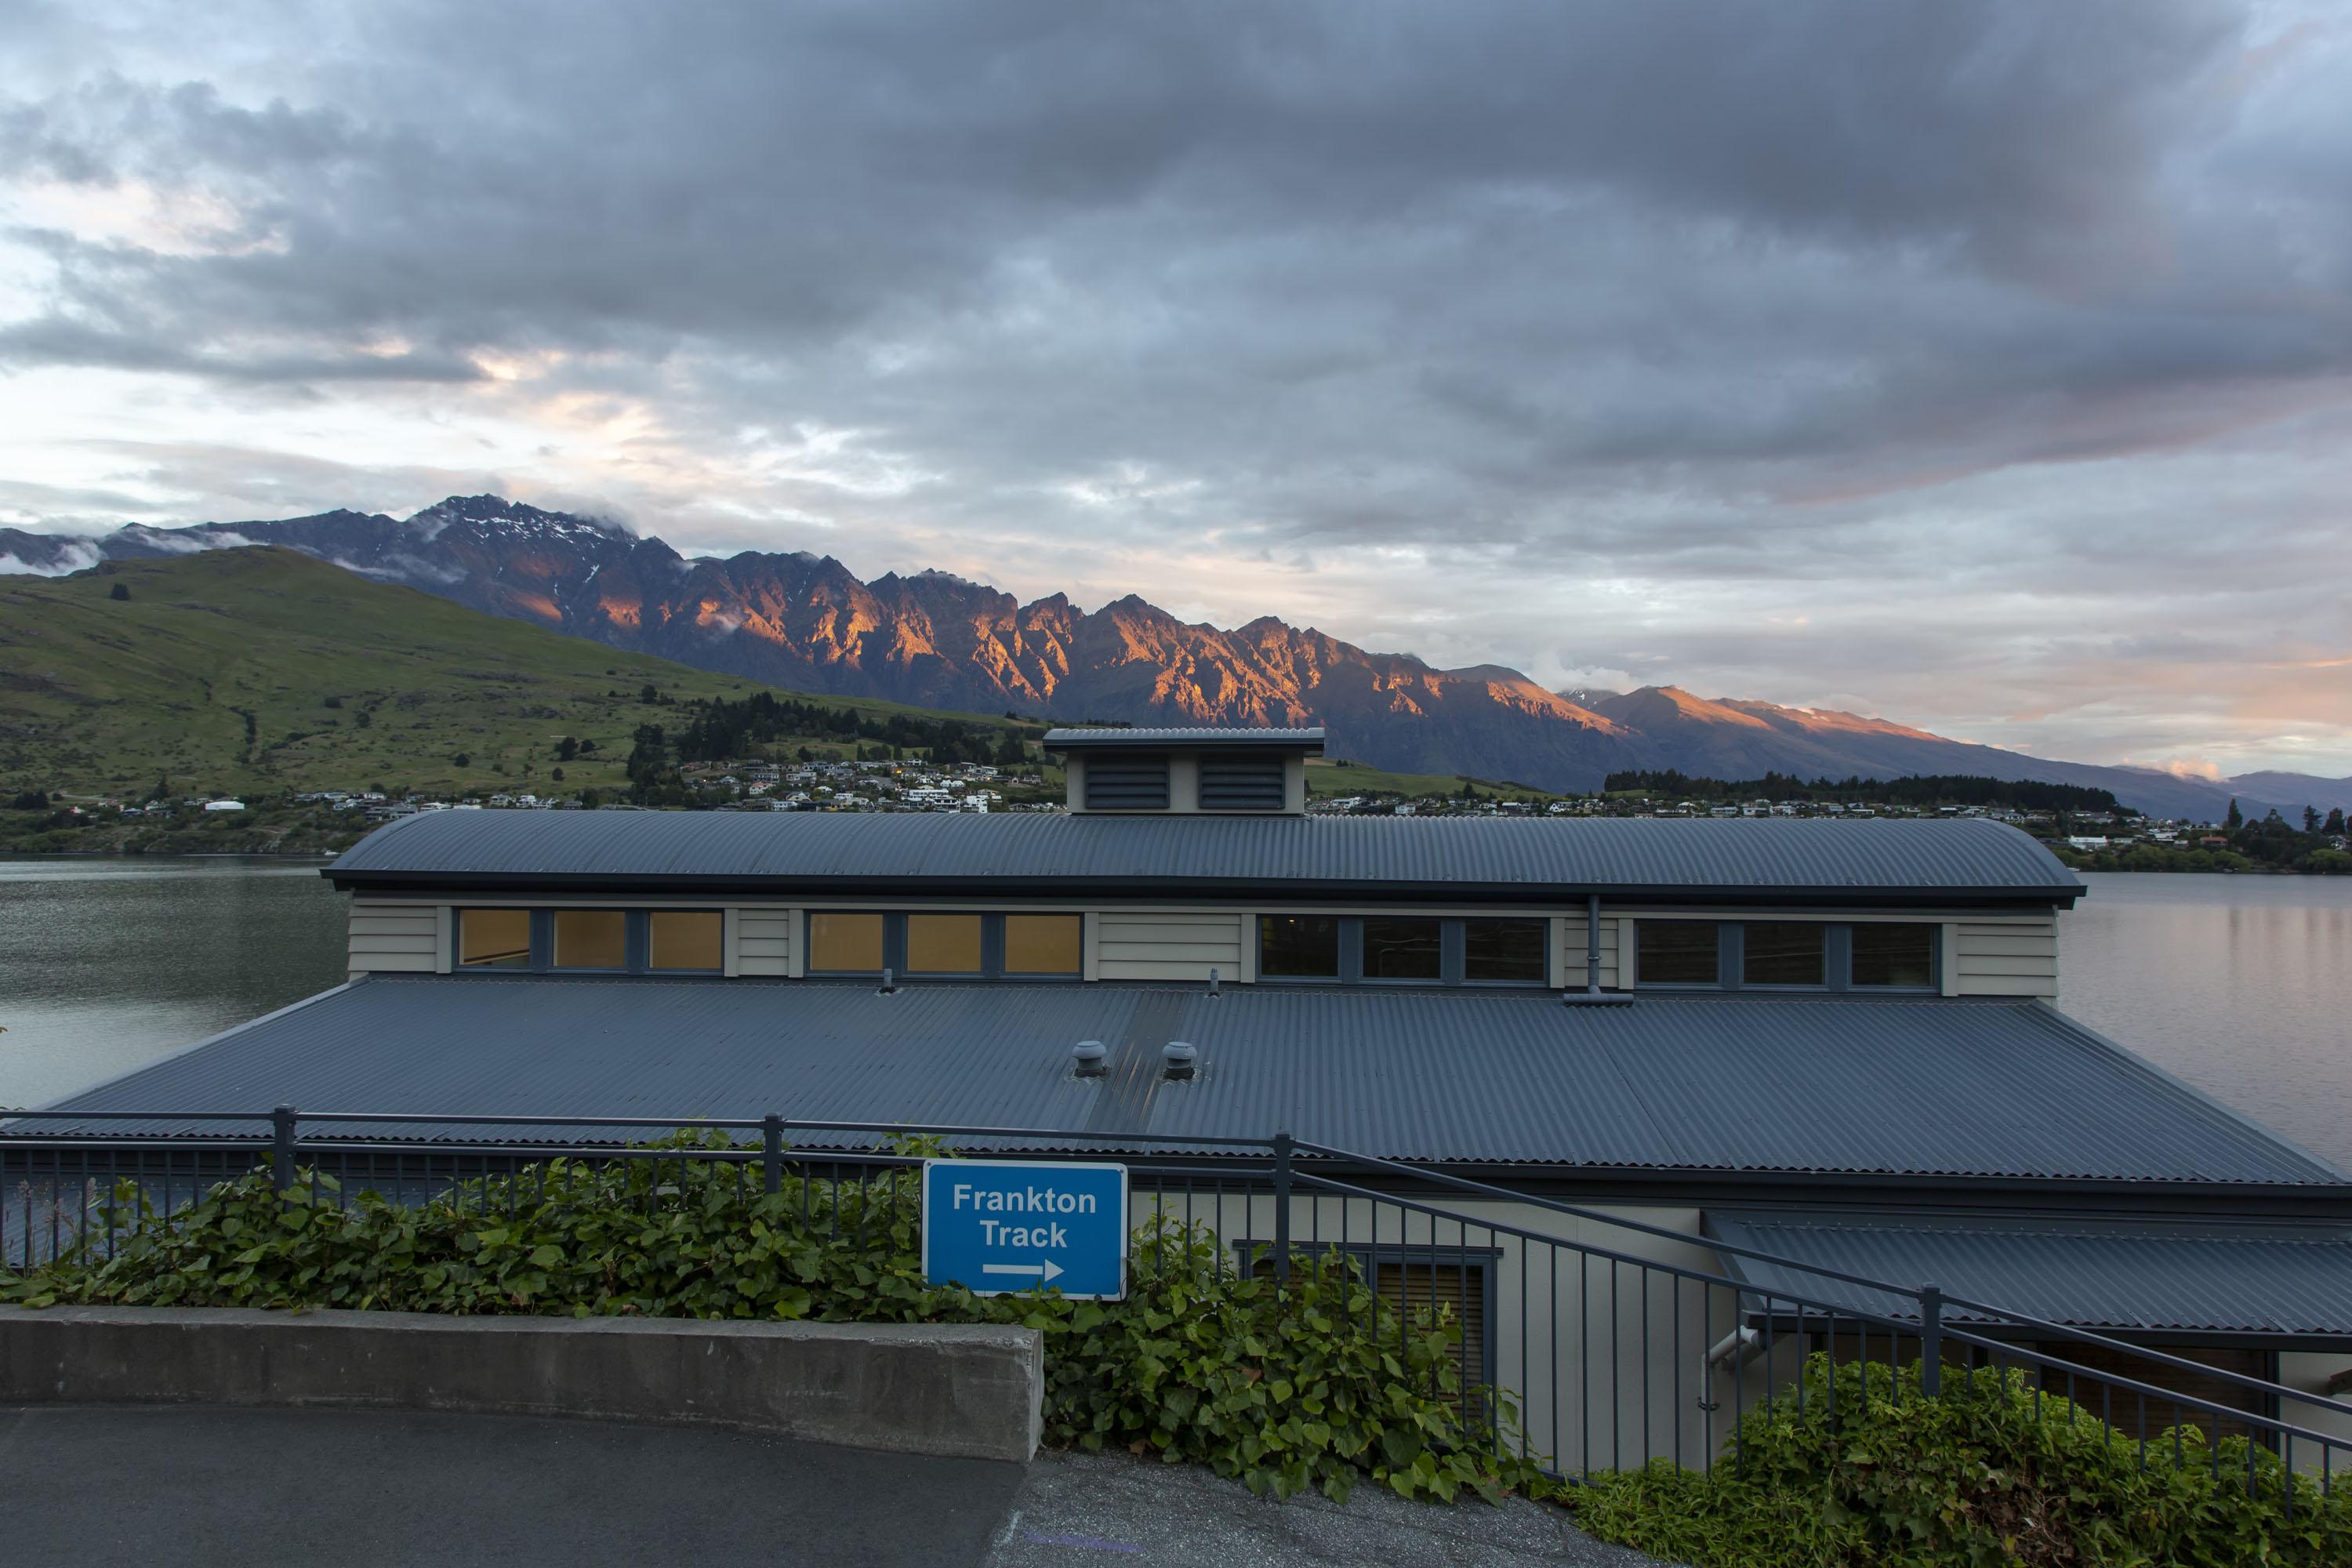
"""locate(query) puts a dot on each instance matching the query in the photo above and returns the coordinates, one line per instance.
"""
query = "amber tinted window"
(685, 939)
(493, 939)
(1304, 947)
(592, 938)
(943, 944)
(1895, 954)
(1678, 953)
(1504, 949)
(1782, 952)
(1043, 944)
(1401, 949)
(845, 942)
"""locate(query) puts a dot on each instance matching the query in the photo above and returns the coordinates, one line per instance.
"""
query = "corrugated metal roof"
(1933, 1087)
(2137, 1277)
(1123, 740)
(1459, 857)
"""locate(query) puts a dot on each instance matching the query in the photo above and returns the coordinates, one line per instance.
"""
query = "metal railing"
(1589, 1340)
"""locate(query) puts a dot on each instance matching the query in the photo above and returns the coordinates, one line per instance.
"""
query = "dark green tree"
(2311, 819)
(119, 590)
(2236, 820)
(2334, 823)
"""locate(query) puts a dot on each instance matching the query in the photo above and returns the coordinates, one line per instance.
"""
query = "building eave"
(1132, 889)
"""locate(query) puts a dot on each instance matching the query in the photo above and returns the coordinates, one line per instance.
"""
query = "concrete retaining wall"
(966, 1391)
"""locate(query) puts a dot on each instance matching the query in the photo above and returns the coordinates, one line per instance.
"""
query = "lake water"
(107, 963)
(2242, 986)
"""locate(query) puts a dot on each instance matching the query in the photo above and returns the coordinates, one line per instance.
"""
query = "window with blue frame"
(948, 945)
(1404, 949)
(1787, 955)
(590, 941)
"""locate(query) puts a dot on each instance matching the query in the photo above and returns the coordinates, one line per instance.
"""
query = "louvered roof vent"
(1187, 771)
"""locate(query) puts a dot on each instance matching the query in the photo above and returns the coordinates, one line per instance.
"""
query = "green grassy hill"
(262, 671)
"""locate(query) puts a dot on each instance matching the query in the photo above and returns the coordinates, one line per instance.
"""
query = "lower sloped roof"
(2139, 1278)
(1929, 1087)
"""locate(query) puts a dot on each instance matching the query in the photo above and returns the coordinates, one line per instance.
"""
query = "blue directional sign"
(996, 1226)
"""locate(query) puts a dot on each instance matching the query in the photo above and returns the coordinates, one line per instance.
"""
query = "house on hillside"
(1762, 1048)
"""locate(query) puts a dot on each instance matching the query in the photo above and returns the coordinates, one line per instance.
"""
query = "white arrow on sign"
(1045, 1273)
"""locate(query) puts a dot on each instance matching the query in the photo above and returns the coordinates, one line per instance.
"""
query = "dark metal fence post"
(771, 1150)
(1931, 1340)
(1282, 1141)
(281, 1161)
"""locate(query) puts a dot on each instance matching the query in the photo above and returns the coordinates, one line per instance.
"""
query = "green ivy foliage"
(1871, 1472)
(1320, 1383)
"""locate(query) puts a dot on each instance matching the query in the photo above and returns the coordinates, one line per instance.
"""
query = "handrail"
(2179, 1363)
(2149, 1390)
(1910, 1293)
(1285, 1174)
(1600, 1217)
(752, 1124)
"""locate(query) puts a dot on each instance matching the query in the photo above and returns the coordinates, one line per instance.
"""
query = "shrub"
(1870, 1471)
(1319, 1384)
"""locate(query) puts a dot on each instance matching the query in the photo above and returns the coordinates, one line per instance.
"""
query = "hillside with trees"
(264, 674)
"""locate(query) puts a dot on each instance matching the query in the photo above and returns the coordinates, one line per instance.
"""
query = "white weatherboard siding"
(2006, 957)
(763, 940)
(1169, 944)
(395, 937)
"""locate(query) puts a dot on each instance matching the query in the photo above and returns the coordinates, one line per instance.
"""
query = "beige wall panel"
(388, 938)
(763, 940)
(1162, 944)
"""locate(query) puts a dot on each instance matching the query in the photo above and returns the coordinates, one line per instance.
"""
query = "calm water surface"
(107, 963)
(2242, 986)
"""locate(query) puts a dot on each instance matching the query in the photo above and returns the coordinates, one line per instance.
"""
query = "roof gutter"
(1132, 888)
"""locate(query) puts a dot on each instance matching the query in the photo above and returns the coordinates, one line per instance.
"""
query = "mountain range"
(804, 621)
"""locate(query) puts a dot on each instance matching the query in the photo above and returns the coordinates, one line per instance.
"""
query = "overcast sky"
(1984, 366)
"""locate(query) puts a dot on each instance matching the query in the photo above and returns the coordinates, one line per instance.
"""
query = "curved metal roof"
(1043, 853)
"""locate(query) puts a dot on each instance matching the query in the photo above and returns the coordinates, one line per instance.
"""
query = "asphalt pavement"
(199, 1484)
(1113, 1511)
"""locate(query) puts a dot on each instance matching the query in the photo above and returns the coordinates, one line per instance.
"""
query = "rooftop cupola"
(1183, 772)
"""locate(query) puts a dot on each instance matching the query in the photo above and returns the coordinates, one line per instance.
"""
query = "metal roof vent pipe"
(1212, 983)
(1089, 1058)
(889, 983)
(1592, 994)
(1179, 1061)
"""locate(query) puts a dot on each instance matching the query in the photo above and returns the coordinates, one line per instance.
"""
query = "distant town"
(2086, 827)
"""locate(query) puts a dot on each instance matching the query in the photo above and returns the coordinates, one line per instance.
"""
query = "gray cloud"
(1824, 351)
